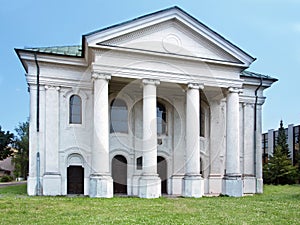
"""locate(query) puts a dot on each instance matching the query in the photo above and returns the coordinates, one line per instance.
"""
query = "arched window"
(75, 116)
(118, 116)
(161, 119)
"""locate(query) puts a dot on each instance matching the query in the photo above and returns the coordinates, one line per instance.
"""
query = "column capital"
(47, 87)
(235, 90)
(151, 81)
(99, 75)
(195, 86)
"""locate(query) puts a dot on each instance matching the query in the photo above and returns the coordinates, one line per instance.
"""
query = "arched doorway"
(75, 180)
(119, 174)
(162, 172)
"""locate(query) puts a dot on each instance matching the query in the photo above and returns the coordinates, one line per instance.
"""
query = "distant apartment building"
(269, 141)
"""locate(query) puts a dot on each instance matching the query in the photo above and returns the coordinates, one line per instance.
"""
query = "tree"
(21, 144)
(279, 169)
(6, 139)
(281, 140)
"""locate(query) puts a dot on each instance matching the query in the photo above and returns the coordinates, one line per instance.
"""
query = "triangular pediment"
(173, 32)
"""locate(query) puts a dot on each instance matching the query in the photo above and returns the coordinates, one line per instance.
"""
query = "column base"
(232, 185)
(52, 184)
(150, 186)
(249, 184)
(101, 186)
(215, 184)
(193, 186)
(176, 184)
(32, 186)
(259, 186)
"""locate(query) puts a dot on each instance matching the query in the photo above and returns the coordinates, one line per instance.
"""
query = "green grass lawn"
(278, 205)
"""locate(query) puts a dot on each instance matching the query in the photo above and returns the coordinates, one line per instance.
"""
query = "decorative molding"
(195, 86)
(151, 82)
(47, 87)
(99, 75)
(235, 90)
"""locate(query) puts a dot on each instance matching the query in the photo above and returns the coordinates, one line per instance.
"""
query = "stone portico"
(157, 105)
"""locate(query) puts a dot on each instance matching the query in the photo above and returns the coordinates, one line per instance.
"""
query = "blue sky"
(267, 29)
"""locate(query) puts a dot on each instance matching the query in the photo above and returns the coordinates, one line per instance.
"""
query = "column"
(52, 176)
(150, 184)
(101, 183)
(193, 185)
(232, 181)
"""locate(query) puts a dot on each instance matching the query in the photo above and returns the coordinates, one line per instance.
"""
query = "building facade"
(157, 105)
(269, 141)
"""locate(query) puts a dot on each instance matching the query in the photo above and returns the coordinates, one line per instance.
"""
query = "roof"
(250, 74)
(6, 164)
(75, 50)
(174, 8)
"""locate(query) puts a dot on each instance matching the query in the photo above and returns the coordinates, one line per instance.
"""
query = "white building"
(269, 142)
(158, 104)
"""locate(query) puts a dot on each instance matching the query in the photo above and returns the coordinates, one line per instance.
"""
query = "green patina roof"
(75, 50)
(257, 75)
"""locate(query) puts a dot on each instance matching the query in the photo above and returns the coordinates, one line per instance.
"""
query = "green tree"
(21, 144)
(6, 139)
(279, 168)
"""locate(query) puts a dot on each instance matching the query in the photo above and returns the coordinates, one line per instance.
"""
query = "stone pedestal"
(52, 184)
(232, 186)
(259, 186)
(176, 184)
(101, 186)
(249, 184)
(193, 186)
(215, 184)
(150, 186)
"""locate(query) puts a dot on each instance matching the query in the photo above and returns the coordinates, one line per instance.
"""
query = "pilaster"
(52, 176)
(258, 145)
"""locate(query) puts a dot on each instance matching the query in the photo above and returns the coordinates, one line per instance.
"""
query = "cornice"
(31, 80)
(166, 55)
(55, 59)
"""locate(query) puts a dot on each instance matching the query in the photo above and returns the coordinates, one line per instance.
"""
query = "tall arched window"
(161, 119)
(118, 116)
(75, 116)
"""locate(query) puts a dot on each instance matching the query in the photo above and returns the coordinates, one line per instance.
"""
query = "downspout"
(255, 123)
(38, 183)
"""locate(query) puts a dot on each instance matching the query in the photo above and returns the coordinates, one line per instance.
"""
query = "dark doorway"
(119, 174)
(75, 180)
(162, 172)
